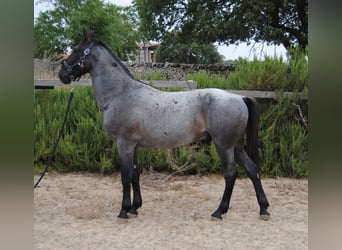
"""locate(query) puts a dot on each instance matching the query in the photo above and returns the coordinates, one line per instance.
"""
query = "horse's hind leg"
(252, 171)
(230, 174)
(137, 201)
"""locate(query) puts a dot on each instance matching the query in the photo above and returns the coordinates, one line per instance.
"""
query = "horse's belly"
(175, 132)
(168, 139)
(164, 143)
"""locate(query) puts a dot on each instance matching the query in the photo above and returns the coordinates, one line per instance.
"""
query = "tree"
(227, 21)
(48, 35)
(61, 28)
(49, 27)
(174, 50)
(109, 25)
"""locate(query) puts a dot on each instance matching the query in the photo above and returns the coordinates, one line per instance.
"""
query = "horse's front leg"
(126, 152)
(137, 200)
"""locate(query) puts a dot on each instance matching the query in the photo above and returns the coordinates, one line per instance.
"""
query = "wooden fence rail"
(184, 85)
(48, 83)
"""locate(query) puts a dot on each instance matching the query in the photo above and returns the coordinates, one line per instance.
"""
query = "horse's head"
(77, 63)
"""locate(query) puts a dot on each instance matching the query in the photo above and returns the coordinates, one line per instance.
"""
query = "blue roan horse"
(138, 115)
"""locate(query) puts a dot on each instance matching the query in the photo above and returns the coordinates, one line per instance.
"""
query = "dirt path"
(79, 211)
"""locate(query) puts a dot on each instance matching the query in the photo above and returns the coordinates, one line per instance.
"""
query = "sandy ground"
(79, 211)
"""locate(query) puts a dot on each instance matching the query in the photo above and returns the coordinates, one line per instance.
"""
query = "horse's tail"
(252, 139)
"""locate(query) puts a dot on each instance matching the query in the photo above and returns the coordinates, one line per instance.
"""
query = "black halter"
(79, 62)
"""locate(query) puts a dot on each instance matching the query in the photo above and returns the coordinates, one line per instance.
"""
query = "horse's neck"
(109, 78)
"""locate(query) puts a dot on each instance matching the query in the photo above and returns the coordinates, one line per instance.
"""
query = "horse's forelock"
(88, 35)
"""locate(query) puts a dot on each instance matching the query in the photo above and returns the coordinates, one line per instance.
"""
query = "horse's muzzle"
(64, 76)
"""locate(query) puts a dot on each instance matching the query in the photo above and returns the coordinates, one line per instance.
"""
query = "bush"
(273, 74)
(203, 80)
(83, 146)
(283, 139)
(297, 80)
(267, 75)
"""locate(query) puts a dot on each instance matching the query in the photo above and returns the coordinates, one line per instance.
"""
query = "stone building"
(147, 52)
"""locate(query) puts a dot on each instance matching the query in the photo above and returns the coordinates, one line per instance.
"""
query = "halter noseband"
(79, 62)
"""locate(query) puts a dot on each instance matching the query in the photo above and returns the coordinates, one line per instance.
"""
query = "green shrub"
(203, 80)
(154, 76)
(297, 78)
(83, 146)
(283, 139)
(293, 149)
(269, 74)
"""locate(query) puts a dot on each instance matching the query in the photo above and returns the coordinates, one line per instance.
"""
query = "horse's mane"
(120, 63)
(115, 57)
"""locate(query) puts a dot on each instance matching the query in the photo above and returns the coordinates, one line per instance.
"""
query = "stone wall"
(44, 68)
(177, 71)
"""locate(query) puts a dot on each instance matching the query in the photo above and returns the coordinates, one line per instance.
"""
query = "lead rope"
(51, 158)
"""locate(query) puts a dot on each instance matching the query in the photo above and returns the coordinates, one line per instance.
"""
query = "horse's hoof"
(123, 215)
(212, 218)
(216, 215)
(133, 212)
(264, 215)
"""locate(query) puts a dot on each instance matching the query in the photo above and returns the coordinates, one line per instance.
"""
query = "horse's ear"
(88, 35)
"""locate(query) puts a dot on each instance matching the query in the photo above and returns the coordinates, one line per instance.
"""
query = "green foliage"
(109, 25)
(154, 76)
(294, 150)
(62, 27)
(269, 159)
(297, 78)
(284, 152)
(174, 49)
(269, 74)
(203, 80)
(283, 140)
(153, 159)
(75, 150)
(229, 22)
(47, 39)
